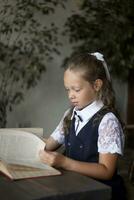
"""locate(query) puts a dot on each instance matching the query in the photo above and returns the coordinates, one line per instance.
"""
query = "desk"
(68, 186)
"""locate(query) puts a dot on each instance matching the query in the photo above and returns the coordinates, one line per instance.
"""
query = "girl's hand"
(52, 158)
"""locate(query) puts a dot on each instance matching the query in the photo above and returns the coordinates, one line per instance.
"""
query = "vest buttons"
(81, 146)
(68, 143)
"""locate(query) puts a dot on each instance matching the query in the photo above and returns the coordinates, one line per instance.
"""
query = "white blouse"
(111, 136)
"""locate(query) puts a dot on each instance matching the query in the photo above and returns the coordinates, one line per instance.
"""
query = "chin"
(79, 107)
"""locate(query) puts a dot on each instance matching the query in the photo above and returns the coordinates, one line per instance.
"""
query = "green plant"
(26, 44)
(106, 26)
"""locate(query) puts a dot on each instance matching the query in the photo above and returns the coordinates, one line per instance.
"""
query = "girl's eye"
(77, 90)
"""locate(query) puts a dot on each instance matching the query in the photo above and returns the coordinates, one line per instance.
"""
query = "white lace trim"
(111, 137)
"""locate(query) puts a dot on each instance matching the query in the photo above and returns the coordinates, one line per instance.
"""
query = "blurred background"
(37, 37)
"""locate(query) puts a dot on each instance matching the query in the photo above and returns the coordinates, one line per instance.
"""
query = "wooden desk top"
(68, 186)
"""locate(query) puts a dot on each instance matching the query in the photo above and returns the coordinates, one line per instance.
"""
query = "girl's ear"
(98, 84)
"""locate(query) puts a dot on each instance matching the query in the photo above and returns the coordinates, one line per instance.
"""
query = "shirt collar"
(87, 112)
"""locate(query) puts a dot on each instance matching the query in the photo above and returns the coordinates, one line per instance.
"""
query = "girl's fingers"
(46, 157)
(51, 158)
(43, 155)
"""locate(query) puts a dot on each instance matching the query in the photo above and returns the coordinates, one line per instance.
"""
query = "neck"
(87, 105)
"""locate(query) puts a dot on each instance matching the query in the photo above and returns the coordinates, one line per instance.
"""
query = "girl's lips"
(75, 103)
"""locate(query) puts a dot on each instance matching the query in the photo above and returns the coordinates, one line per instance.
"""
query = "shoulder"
(110, 117)
(111, 123)
(58, 133)
(106, 117)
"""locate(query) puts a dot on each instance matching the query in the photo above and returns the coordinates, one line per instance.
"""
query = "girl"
(90, 129)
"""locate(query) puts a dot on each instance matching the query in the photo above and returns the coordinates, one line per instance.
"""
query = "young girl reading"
(91, 129)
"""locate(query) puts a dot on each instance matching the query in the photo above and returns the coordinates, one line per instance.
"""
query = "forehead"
(73, 77)
(73, 74)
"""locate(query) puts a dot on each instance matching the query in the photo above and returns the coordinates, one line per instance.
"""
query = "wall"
(121, 93)
(44, 105)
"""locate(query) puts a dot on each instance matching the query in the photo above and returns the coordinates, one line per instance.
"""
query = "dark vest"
(83, 147)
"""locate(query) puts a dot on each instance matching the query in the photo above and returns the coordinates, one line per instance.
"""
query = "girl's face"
(80, 92)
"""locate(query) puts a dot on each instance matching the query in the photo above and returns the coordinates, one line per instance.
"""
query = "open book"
(19, 154)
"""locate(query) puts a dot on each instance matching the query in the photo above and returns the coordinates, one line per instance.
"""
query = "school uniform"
(94, 130)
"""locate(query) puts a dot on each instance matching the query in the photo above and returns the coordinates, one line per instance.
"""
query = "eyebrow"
(73, 87)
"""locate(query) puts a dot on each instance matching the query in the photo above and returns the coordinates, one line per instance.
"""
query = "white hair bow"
(100, 57)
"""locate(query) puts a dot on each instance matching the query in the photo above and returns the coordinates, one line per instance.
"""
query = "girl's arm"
(51, 144)
(102, 170)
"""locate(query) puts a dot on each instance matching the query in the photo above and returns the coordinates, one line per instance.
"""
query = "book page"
(15, 172)
(36, 131)
(5, 170)
(21, 147)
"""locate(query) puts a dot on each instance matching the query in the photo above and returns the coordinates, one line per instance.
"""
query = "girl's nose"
(71, 95)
